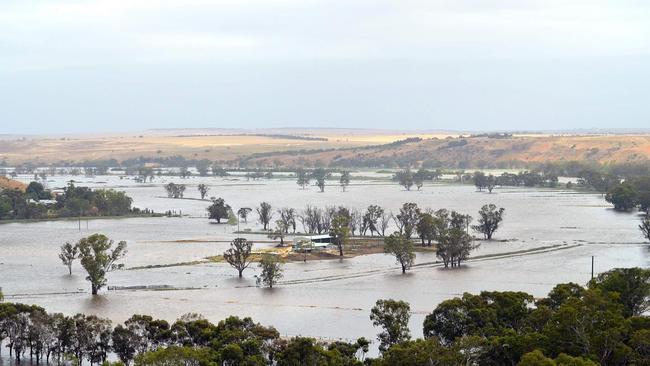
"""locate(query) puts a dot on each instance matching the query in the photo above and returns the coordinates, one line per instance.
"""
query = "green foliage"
(489, 220)
(302, 178)
(631, 285)
(265, 214)
(420, 352)
(238, 255)
(177, 356)
(344, 180)
(623, 197)
(407, 219)
(36, 191)
(218, 210)
(320, 175)
(271, 270)
(98, 257)
(402, 249)
(393, 317)
(405, 178)
(175, 190)
(340, 230)
(203, 189)
(68, 254)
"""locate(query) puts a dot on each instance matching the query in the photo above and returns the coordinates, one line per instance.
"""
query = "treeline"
(604, 323)
(629, 194)
(449, 229)
(38, 203)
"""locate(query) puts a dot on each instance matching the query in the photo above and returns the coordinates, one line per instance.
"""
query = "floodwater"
(328, 299)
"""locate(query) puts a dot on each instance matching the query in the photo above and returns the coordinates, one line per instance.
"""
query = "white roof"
(314, 237)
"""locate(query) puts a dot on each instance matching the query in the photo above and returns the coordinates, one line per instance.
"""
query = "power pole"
(592, 267)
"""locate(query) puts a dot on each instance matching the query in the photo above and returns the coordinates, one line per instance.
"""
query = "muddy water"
(321, 298)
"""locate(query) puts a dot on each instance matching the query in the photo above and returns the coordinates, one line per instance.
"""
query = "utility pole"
(592, 267)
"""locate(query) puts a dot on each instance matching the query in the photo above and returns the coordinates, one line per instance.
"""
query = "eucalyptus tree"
(239, 254)
(203, 190)
(271, 271)
(490, 217)
(320, 175)
(407, 219)
(265, 214)
(405, 178)
(68, 254)
(344, 180)
(302, 178)
(218, 210)
(402, 249)
(244, 212)
(98, 257)
(393, 317)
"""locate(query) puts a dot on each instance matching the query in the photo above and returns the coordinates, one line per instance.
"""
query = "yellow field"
(602, 148)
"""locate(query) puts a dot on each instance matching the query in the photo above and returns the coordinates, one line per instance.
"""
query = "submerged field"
(548, 237)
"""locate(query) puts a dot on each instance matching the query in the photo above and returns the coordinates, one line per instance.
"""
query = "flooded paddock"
(551, 236)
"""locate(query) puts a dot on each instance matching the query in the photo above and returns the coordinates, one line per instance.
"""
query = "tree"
(407, 219)
(202, 167)
(454, 246)
(218, 210)
(404, 178)
(420, 176)
(632, 286)
(426, 228)
(340, 231)
(271, 270)
(345, 179)
(218, 171)
(203, 190)
(490, 182)
(370, 220)
(243, 213)
(402, 249)
(393, 316)
(175, 190)
(37, 192)
(302, 178)
(68, 254)
(489, 219)
(623, 197)
(124, 343)
(239, 254)
(645, 226)
(97, 258)
(479, 179)
(320, 175)
(281, 229)
(265, 214)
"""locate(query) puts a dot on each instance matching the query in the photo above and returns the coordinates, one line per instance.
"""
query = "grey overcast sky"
(119, 65)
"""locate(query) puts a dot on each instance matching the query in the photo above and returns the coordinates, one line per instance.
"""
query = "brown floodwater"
(330, 299)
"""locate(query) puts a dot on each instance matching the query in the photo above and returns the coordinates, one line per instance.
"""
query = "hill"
(6, 183)
(481, 151)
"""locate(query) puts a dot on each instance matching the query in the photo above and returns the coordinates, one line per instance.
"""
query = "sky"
(123, 65)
